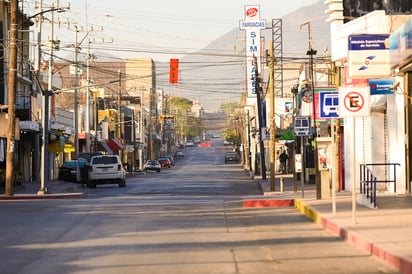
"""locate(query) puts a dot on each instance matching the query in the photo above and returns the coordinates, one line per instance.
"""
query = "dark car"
(68, 171)
(152, 165)
(88, 155)
(231, 157)
(164, 162)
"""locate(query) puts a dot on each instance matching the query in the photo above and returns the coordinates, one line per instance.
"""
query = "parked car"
(171, 159)
(164, 162)
(152, 165)
(189, 143)
(231, 156)
(106, 169)
(205, 144)
(68, 171)
(88, 155)
(226, 143)
(180, 152)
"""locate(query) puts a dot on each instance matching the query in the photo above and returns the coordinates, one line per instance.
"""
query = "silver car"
(106, 169)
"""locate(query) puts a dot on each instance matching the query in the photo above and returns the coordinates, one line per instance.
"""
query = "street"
(186, 219)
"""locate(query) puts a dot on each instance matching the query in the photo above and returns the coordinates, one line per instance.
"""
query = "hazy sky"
(157, 27)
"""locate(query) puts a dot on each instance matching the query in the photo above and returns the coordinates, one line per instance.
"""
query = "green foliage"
(233, 137)
(193, 127)
(180, 103)
(188, 125)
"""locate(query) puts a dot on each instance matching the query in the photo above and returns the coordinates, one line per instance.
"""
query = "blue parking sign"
(329, 104)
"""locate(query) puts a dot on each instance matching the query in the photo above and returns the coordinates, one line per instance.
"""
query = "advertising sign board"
(368, 55)
(252, 25)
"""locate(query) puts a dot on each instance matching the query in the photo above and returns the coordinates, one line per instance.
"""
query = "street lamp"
(311, 52)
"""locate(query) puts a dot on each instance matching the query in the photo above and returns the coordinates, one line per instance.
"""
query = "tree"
(188, 125)
(233, 137)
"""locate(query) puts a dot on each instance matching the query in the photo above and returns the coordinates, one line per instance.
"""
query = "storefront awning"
(107, 148)
(115, 144)
(156, 136)
(287, 136)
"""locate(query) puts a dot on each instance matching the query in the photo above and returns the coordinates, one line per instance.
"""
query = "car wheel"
(168, 166)
(91, 184)
(158, 170)
(122, 183)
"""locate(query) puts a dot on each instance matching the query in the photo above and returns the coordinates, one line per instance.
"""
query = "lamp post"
(311, 51)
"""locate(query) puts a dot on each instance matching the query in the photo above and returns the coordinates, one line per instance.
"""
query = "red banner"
(174, 71)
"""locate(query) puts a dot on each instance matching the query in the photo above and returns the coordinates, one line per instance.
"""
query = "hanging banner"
(174, 71)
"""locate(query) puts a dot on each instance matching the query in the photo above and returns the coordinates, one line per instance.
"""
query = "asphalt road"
(186, 219)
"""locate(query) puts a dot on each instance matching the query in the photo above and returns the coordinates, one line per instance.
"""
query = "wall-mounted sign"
(368, 55)
(381, 86)
(401, 44)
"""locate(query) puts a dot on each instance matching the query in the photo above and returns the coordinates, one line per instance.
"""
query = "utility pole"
(76, 95)
(87, 122)
(11, 125)
(149, 145)
(119, 101)
(141, 144)
(260, 113)
(272, 118)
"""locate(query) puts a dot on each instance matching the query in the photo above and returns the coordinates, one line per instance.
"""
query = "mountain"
(216, 73)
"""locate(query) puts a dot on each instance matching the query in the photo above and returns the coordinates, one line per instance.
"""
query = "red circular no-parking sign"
(354, 101)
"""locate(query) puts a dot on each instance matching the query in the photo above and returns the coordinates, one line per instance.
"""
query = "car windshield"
(231, 154)
(164, 159)
(104, 160)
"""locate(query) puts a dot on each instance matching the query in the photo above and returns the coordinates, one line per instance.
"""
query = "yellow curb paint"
(308, 211)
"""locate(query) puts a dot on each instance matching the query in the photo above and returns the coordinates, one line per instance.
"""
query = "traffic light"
(166, 117)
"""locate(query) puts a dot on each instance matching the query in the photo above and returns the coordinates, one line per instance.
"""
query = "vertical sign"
(252, 25)
(174, 71)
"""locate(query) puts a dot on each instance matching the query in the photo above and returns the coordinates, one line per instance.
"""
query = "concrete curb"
(43, 197)
(268, 203)
(401, 264)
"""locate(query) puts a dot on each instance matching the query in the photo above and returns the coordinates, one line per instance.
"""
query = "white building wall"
(356, 143)
(396, 140)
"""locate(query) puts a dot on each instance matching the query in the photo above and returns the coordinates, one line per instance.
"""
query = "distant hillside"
(216, 73)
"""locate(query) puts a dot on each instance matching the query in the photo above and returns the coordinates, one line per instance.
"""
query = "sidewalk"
(58, 190)
(385, 232)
